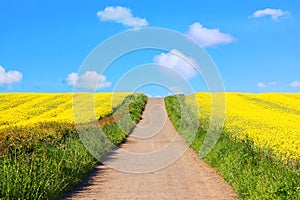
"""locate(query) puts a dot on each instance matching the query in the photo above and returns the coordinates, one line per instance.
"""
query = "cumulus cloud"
(88, 80)
(208, 37)
(10, 77)
(266, 85)
(179, 62)
(275, 14)
(295, 84)
(121, 15)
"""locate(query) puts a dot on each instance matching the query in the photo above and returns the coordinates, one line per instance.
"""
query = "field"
(271, 121)
(41, 155)
(28, 109)
(258, 151)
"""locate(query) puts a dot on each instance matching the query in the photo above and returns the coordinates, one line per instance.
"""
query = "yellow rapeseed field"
(23, 109)
(271, 121)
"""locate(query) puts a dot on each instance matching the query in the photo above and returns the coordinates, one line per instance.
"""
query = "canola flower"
(271, 121)
(25, 109)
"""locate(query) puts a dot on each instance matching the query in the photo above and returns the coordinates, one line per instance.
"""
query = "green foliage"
(174, 110)
(39, 167)
(184, 120)
(252, 172)
(130, 112)
(44, 161)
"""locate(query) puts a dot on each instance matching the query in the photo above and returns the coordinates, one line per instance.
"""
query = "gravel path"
(170, 174)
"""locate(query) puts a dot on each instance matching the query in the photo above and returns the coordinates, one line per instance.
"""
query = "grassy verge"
(252, 172)
(127, 115)
(44, 161)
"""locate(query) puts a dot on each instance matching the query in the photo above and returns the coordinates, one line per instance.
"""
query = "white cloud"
(71, 79)
(178, 62)
(88, 80)
(176, 90)
(121, 15)
(10, 77)
(295, 84)
(208, 37)
(266, 85)
(275, 14)
(261, 85)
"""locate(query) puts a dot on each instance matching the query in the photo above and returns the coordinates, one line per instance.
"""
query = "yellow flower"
(23, 109)
(270, 120)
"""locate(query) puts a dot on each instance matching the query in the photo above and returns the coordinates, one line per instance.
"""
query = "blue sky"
(254, 44)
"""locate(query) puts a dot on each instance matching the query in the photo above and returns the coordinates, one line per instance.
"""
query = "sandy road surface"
(188, 177)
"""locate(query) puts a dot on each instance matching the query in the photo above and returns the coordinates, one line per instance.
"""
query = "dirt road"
(173, 171)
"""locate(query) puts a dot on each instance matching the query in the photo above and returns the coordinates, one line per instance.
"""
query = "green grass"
(45, 161)
(42, 167)
(252, 172)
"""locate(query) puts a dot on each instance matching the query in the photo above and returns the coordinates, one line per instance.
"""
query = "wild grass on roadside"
(45, 160)
(33, 167)
(253, 172)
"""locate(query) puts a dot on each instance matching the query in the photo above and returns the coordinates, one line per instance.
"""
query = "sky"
(254, 44)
